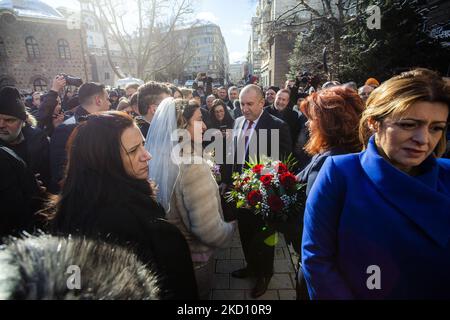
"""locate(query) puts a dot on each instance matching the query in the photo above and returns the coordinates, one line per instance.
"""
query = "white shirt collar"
(254, 122)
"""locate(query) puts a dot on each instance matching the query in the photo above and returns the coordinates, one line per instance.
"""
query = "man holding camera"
(93, 98)
(203, 81)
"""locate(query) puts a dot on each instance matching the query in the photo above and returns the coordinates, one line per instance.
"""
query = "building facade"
(36, 44)
(209, 53)
(269, 51)
(101, 68)
(254, 47)
(237, 72)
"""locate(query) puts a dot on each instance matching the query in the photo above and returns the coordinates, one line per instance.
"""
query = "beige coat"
(195, 208)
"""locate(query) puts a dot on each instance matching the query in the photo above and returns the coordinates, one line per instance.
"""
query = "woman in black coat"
(106, 195)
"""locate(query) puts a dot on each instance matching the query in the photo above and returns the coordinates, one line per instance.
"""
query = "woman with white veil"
(186, 187)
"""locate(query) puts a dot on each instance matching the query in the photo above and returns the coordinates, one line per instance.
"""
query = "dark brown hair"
(95, 173)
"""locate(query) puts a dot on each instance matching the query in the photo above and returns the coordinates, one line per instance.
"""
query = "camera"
(72, 81)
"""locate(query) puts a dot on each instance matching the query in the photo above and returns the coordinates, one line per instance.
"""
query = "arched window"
(40, 84)
(2, 48)
(63, 49)
(32, 48)
(7, 81)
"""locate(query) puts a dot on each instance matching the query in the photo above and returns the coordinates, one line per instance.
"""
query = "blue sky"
(233, 17)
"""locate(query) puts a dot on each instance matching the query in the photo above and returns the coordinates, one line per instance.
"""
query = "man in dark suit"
(250, 133)
(281, 110)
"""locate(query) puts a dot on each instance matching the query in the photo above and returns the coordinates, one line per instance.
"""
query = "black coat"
(19, 195)
(58, 154)
(300, 141)
(34, 150)
(143, 125)
(237, 112)
(309, 174)
(289, 116)
(135, 220)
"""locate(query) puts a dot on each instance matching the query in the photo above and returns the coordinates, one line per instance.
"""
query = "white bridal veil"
(162, 170)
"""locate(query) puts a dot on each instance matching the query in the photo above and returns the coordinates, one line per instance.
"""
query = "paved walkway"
(281, 286)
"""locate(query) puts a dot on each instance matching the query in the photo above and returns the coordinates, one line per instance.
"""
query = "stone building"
(37, 43)
(269, 51)
(236, 72)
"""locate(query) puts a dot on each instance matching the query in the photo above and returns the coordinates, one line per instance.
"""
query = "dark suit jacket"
(269, 123)
(290, 117)
(237, 112)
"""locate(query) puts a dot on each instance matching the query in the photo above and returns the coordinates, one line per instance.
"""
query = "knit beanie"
(11, 103)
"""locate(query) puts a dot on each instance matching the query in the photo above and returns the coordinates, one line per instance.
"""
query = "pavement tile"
(242, 284)
(228, 266)
(223, 254)
(269, 295)
(279, 253)
(283, 266)
(236, 253)
(228, 295)
(236, 243)
(287, 294)
(281, 281)
(221, 281)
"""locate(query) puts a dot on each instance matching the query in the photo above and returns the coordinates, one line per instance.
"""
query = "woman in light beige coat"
(187, 188)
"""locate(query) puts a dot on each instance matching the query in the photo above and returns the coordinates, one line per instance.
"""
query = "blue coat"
(361, 212)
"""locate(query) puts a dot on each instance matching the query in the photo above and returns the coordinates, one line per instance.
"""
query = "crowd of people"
(93, 171)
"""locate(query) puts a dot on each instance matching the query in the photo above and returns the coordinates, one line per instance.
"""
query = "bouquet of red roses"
(269, 189)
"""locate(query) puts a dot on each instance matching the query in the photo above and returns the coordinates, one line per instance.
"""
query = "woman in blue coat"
(377, 223)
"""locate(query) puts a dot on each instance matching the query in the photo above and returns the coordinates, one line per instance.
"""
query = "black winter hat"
(11, 103)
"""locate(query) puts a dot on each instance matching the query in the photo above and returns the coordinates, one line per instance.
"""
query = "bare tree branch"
(152, 33)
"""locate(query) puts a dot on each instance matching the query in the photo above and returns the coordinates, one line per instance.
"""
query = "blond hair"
(395, 96)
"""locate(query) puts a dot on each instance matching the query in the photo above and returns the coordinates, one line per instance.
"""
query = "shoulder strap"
(13, 154)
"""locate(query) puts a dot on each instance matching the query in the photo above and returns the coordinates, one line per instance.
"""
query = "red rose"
(287, 180)
(258, 168)
(246, 179)
(266, 180)
(281, 168)
(275, 203)
(254, 197)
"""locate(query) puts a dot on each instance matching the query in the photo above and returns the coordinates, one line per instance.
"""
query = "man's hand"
(58, 119)
(40, 183)
(59, 82)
